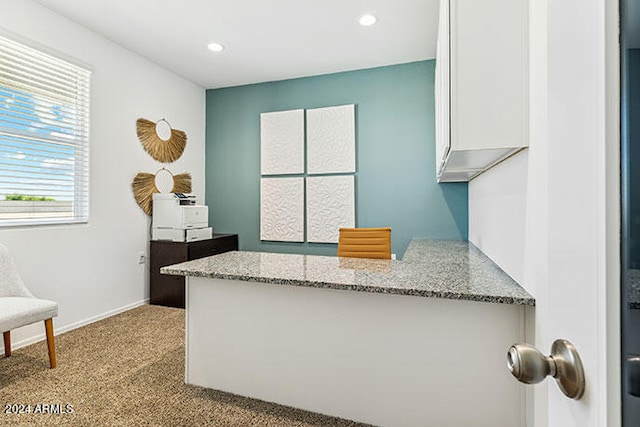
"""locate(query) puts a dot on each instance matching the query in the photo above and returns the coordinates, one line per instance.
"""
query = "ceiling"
(265, 40)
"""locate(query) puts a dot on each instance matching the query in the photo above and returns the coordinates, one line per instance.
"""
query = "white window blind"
(44, 137)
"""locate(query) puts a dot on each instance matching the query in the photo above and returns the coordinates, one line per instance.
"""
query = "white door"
(572, 242)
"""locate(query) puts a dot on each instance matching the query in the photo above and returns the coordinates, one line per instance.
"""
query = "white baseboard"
(76, 325)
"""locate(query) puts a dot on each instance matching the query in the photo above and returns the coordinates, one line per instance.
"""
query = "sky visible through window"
(37, 146)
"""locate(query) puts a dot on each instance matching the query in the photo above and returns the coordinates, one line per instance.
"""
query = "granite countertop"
(430, 268)
(633, 289)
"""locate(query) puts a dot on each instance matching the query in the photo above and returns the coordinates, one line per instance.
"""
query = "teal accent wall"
(395, 154)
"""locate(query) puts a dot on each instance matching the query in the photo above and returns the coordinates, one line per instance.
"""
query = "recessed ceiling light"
(215, 47)
(367, 20)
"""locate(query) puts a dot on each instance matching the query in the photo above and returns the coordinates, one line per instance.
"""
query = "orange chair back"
(365, 243)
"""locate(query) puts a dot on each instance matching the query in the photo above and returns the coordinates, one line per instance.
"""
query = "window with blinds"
(44, 138)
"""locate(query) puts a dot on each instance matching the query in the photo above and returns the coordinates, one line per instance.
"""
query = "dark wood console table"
(169, 290)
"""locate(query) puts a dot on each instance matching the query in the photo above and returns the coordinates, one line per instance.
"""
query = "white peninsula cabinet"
(411, 343)
(481, 85)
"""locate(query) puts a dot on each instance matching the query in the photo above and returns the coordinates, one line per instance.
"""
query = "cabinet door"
(442, 93)
(164, 289)
(488, 57)
(481, 85)
(169, 290)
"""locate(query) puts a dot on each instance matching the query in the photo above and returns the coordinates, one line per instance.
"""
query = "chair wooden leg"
(7, 343)
(48, 325)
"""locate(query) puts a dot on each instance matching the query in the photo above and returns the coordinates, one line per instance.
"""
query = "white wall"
(91, 270)
(497, 213)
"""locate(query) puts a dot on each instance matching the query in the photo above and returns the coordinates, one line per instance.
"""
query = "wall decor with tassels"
(144, 185)
(165, 150)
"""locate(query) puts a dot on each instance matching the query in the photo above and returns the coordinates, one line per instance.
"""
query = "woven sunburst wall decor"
(144, 185)
(165, 151)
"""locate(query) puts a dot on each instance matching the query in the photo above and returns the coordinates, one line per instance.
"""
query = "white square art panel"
(282, 209)
(330, 205)
(282, 142)
(331, 140)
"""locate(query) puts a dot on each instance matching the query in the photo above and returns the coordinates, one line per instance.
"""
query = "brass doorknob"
(530, 366)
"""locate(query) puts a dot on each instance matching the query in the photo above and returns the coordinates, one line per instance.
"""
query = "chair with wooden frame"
(18, 306)
(365, 243)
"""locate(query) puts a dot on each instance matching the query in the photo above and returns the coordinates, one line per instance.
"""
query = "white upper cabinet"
(481, 87)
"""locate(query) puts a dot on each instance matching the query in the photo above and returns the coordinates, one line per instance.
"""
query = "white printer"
(177, 217)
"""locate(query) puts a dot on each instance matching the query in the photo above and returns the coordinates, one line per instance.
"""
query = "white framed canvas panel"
(330, 205)
(282, 142)
(282, 209)
(331, 140)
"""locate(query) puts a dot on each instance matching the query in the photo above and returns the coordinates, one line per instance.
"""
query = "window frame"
(79, 143)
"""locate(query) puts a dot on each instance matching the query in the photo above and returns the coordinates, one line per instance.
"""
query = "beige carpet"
(128, 370)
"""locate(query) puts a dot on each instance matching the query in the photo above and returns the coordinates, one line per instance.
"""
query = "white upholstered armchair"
(18, 306)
